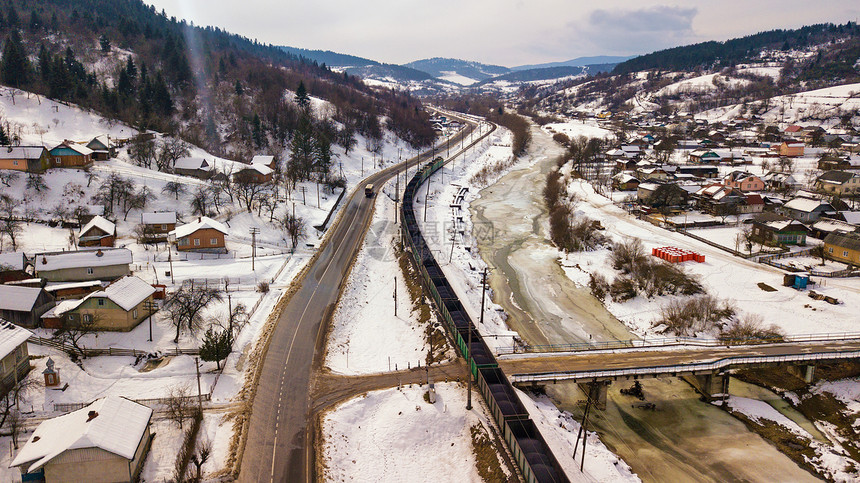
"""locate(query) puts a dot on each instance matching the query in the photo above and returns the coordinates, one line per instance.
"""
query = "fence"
(682, 368)
(717, 245)
(110, 351)
(771, 260)
(673, 341)
(67, 407)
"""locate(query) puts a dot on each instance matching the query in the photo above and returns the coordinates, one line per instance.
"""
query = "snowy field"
(396, 435)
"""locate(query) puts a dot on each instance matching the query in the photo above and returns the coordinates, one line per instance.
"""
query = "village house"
(99, 232)
(720, 200)
(753, 203)
(83, 265)
(119, 307)
(31, 159)
(14, 357)
(70, 155)
(156, 225)
(743, 181)
(843, 246)
(104, 442)
(790, 150)
(254, 173)
(653, 174)
(194, 167)
(702, 156)
(24, 305)
(625, 182)
(267, 161)
(806, 210)
(776, 230)
(202, 235)
(100, 146)
(825, 226)
(14, 266)
(776, 180)
(839, 182)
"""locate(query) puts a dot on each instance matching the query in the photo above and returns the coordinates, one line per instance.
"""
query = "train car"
(531, 452)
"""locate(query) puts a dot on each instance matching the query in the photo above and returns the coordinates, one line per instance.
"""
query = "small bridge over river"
(707, 368)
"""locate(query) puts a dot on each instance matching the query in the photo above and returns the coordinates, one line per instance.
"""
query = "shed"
(99, 232)
(70, 155)
(106, 441)
(32, 159)
(14, 357)
(24, 305)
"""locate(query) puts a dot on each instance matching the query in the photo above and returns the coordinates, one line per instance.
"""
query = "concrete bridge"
(706, 368)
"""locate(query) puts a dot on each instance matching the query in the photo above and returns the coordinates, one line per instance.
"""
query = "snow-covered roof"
(200, 224)
(11, 336)
(18, 299)
(102, 224)
(53, 287)
(158, 218)
(852, 217)
(803, 204)
(829, 225)
(192, 163)
(260, 168)
(126, 292)
(46, 262)
(267, 160)
(114, 424)
(12, 261)
(21, 152)
(61, 308)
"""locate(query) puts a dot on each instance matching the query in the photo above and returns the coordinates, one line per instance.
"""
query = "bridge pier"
(711, 386)
(599, 392)
(805, 372)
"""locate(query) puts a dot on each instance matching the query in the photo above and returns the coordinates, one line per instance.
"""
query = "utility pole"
(150, 306)
(170, 261)
(362, 166)
(304, 189)
(318, 193)
(427, 198)
(471, 359)
(199, 393)
(254, 230)
(395, 295)
(230, 318)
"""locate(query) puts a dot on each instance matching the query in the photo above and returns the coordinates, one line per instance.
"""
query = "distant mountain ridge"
(577, 62)
(440, 67)
(329, 58)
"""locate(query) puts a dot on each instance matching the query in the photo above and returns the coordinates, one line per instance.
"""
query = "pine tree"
(215, 347)
(257, 133)
(302, 98)
(35, 21)
(12, 16)
(104, 42)
(44, 64)
(15, 66)
(4, 138)
(239, 89)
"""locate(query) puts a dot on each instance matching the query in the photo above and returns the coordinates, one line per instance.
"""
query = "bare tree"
(179, 404)
(169, 150)
(175, 188)
(7, 177)
(36, 183)
(14, 396)
(294, 228)
(73, 333)
(184, 307)
(248, 192)
(10, 225)
(201, 456)
(143, 152)
(91, 175)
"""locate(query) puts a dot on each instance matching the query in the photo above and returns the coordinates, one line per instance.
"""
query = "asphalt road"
(637, 359)
(277, 447)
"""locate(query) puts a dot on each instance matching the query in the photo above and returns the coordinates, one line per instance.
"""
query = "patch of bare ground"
(815, 406)
(434, 334)
(790, 444)
(487, 456)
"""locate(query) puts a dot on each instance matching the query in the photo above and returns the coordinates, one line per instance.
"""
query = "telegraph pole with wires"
(254, 231)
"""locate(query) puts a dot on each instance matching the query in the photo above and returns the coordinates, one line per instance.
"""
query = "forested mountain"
(438, 67)
(329, 58)
(577, 62)
(221, 91)
(722, 54)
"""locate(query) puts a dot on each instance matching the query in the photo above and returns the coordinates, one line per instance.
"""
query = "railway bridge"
(707, 368)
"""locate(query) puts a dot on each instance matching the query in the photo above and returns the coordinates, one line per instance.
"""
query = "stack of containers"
(676, 255)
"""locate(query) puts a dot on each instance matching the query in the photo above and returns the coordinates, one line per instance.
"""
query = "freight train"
(530, 451)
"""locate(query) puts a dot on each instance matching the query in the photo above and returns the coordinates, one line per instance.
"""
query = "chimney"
(91, 415)
(199, 219)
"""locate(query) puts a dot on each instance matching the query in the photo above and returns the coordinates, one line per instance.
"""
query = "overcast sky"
(505, 32)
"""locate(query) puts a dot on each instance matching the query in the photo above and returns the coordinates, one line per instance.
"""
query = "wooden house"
(775, 230)
(194, 167)
(24, 305)
(31, 159)
(201, 235)
(743, 181)
(839, 182)
(106, 441)
(702, 156)
(254, 173)
(806, 210)
(73, 290)
(70, 155)
(844, 247)
(156, 225)
(100, 146)
(99, 232)
(790, 150)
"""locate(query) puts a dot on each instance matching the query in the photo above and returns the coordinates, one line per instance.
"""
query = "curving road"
(278, 446)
